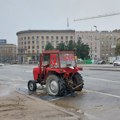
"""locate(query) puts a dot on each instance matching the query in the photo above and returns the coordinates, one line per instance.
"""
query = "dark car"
(101, 62)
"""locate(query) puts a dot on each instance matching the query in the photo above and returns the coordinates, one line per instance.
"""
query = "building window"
(28, 47)
(71, 37)
(56, 37)
(66, 37)
(28, 51)
(95, 38)
(28, 42)
(52, 42)
(57, 42)
(37, 42)
(42, 42)
(28, 38)
(37, 37)
(37, 51)
(42, 37)
(24, 38)
(66, 41)
(32, 37)
(62, 37)
(52, 37)
(33, 47)
(42, 47)
(32, 42)
(37, 47)
(47, 37)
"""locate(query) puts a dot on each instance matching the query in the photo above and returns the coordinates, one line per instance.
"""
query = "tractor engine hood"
(71, 69)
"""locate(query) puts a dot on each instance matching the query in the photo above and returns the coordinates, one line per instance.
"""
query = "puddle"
(40, 93)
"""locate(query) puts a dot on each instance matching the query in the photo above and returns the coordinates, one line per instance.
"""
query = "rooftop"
(50, 31)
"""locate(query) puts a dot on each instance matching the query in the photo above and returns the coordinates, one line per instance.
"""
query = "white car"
(116, 63)
(1, 64)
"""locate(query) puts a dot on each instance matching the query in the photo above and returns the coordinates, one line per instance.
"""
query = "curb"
(72, 115)
(104, 69)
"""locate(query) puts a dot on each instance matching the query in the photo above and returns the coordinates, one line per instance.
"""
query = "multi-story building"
(7, 53)
(108, 42)
(3, 41)
(92, 39)
(102, 44)
(32, 42)
(118, 41)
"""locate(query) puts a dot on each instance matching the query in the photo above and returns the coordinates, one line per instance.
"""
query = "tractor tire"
(55, 86)
(77, 79)
(32, 85)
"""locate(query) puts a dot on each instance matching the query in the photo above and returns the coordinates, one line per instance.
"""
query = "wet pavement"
(99, 100)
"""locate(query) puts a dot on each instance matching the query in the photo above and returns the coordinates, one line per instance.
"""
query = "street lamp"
(95, 27)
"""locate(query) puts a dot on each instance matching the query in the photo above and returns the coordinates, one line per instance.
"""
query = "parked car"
(1, 64)
(80, 61)
(116, 63)
(101, 62)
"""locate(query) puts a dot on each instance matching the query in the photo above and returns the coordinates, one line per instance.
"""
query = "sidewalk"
(105, 67)
(25, 107)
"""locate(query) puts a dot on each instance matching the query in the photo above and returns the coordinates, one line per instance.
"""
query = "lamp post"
(95, 27)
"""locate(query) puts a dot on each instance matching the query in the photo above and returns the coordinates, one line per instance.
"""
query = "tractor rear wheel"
(32, 85)
(78, 80)
(55, 86)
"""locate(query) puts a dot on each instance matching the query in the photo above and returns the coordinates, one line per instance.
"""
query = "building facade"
(92, 39)
(102, 44)
(3, 41)
(32, 42)
(7, 53)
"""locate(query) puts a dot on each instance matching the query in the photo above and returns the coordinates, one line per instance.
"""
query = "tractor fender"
(54, 70)
(36, 72)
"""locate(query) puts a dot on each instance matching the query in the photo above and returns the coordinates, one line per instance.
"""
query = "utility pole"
(67, 23)
(95, 27)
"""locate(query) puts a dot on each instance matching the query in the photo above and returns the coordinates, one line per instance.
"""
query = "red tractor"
(58, 71)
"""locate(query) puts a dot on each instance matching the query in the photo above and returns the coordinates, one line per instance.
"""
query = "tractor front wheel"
(55, 86)
(32, 85)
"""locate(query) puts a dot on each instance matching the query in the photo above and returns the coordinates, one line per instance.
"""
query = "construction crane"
(98, 16)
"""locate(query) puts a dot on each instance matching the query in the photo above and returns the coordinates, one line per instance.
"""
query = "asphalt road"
(99, 100)
(14, 76)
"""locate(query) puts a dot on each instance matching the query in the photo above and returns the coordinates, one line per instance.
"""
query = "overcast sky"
(17, 15)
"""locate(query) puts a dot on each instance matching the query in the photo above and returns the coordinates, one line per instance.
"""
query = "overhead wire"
(95, 17)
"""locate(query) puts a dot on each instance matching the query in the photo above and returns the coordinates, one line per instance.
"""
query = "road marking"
(60, 97)
(100, 79)
(56, 98)
(102, 93)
